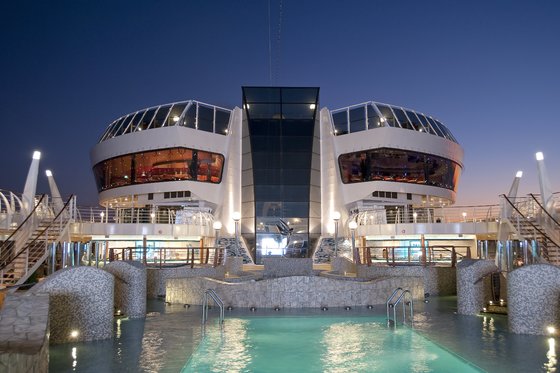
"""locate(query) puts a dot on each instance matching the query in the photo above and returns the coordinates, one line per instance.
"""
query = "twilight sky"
(489, 70)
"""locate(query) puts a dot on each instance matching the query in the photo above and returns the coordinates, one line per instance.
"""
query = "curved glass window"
(403, 166)
(372, 115)
(374, 121)
(191, 114)
(160, 165)
(388, 116)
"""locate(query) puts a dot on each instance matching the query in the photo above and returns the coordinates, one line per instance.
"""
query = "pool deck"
(168, 336)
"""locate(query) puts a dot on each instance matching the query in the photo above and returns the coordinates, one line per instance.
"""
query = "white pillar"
(55, 193)
(31, 183)
(546, 193)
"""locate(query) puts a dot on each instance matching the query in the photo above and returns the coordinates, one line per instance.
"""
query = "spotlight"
(186, 305)
(276, 308)
(74, 333)
(347, 308)
(551, 329)
(324, 308)
(229, 308)
(369, 307)
(253, 309)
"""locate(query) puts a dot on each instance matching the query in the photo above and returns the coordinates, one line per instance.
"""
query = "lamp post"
(336, 218)
(353, 226)
(236, 216)
(217, 225)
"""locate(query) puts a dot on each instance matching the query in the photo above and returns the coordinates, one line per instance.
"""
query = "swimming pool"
(319, 344)
(170, 335)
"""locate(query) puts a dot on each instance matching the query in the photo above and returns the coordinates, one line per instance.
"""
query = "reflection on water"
(226, 349)
(318, 344)
(551, 365)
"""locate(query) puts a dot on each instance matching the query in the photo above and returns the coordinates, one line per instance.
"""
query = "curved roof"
(371, 115)
(192, 114)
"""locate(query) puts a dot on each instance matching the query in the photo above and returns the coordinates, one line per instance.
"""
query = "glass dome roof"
(371, 115)
(191, 114)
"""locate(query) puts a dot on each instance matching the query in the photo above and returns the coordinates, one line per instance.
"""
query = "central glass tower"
(281, 176)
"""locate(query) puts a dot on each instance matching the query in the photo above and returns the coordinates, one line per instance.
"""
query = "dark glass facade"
(398, 165)
(281, 123)
(159, 165)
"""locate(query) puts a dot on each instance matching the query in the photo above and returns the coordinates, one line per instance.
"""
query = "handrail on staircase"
(543, 209)
(4, 265)
(528, 221)
(32, 213)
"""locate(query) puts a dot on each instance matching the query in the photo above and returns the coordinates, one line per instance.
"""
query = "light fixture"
(74, 333)
(36, 154)
(48, 173)
(217, 225)
(236, 216)
(551, 329)
(353, 225)
(175, 118)
(539, 156)
(312, 106)
(519, 174)
(336, 215)
(382, 119)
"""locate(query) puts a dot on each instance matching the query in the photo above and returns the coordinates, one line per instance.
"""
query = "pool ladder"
(401, 295)
(210, 293)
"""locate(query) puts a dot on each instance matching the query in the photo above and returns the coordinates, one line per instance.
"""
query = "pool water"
(319, 344)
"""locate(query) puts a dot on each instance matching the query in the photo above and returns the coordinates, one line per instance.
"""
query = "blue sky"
(489, 70)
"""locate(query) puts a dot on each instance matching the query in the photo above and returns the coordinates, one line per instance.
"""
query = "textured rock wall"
(130, 287)
(24, 341)
(472, 291)
(81, 300)
(291, 292)
(342, 265)
(436, 280)
(156, 277)
(283, 267)
(534, 299)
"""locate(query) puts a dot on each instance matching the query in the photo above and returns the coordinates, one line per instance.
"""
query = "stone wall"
(130, 287)
(342, 265)
(472, 290)
(283, 267)
(81, 300)
(534, 299)
(24, 341)
(436, 280)
(325, 251)
(291, 292)
(156, 277)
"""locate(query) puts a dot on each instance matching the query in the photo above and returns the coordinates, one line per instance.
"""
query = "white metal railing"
(210, 293)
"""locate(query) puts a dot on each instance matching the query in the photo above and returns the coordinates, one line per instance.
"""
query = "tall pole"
(236, 217)
(217, 226)
(353, 225)
(336, 218)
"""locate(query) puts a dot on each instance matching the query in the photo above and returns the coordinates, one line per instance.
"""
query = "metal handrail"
(212, 294)
(402, 296)
(31, 214)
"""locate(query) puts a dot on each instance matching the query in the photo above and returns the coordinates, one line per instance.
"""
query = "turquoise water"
(318, 344)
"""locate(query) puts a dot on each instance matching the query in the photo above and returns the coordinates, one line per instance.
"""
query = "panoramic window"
(388, 116)
(340, 121)
(373, 118)
(398, 165)
(357, 119)
(158, 166)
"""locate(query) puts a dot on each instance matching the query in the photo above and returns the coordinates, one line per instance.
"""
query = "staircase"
(27, 248)
(535, 223)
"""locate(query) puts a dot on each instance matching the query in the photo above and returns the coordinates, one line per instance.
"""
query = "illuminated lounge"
(272, 172)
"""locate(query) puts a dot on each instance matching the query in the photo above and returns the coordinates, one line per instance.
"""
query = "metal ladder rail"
(388, 304)
(405, 303)
(401, 297)
(212, 294)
